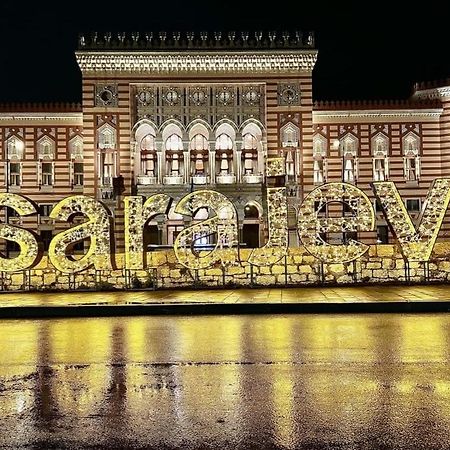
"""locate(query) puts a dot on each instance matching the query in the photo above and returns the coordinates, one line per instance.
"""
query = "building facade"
(179, 112)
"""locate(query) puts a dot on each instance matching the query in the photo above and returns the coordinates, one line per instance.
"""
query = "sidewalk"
(401, 298)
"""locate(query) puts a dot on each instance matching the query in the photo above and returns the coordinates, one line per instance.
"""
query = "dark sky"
(367, 50)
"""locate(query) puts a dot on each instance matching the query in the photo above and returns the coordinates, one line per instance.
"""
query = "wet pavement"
(376, 382)
(316, 294)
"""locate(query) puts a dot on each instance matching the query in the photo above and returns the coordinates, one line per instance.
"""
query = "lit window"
(290, 135)
(413, 204)
(318, 171)
(224, 142)
(108, 168)
(174, 143)
(199, 142)
(349, 170)
(411, 158)
(380, 145)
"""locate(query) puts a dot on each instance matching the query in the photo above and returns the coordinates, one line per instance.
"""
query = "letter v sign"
(416, 245)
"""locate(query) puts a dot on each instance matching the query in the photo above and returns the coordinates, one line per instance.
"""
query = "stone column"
(212, 166)
(186, 167)
(238, 166)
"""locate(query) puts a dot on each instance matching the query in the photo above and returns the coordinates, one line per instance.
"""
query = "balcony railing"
(226, 179)
(146, 179)
(173, 179)
(252, 179)
(199, 179)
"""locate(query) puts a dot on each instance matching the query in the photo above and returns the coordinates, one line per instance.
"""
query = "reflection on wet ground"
(236, 382)
(316, 294)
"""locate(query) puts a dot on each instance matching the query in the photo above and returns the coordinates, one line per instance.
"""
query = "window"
(348, 236)
(349, 153)
(199, 142)
(411, 169)
(45, 209)
(349, 170)
(15, 148)
(413, 204)
(47, 173)
(76, 148)
(378, 207)
(380, 146)
(318, 171)
(411, 159)
(379, 169)
(382, 234)
(46, 237)
(108, 168)
(290, 134)
(106, 137)
(224, 142)
(46, 148)
(14, 174)
(78, 171)
(174, 143)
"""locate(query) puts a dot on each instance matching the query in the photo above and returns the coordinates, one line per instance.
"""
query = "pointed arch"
(45, 148)
(106, 137)
(76, 147)
(380, 145)
(290, 135)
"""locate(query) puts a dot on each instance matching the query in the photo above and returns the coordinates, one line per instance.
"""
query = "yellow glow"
(277, 245)
(136, 216)
(29, 250)
(97, 228)
(223, 225)
(416, 245)
(311, 225)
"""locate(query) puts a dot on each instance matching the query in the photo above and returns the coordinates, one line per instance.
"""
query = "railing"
(252, 179)
(146, 179)
(200, 179)
(226, 179)
(173, 179)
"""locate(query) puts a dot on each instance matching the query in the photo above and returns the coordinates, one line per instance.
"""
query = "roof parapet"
(197, 41)
(40, 107)
(340, 105)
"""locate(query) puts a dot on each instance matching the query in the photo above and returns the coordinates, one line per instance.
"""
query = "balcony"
(252, 179)
(226, 179)
(199, 179)
(173, 179)
(147, 179)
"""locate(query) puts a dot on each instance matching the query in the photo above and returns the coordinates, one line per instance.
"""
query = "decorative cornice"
(40, 117)
(434, 93)
(149, 63)
(425, 115)
(198, 41)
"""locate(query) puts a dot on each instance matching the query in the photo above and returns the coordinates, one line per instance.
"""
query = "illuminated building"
(173, 113)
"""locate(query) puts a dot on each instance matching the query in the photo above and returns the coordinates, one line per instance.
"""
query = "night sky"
(367, 50)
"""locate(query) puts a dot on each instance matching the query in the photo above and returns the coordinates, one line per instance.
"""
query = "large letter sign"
(277, 244)
(415, 245)
(312, 224)
(136, 216)
(97, 228)
(224, 226)
(29, 250)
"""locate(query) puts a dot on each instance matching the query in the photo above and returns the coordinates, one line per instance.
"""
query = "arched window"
(107, 137)
(46, 148)
(290, 135)
(199, 154)
(319, 162)
(15, 148)
(174, 155)
(148, 155)
(411, 157)
(174, 143)
(380, 150)
(224, 142)
(76, 158)
(349, 150)
(199, 142)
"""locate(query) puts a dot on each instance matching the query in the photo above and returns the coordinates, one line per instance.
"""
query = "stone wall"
(381, 264)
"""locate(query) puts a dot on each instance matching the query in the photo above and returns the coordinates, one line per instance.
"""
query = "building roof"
(196, 41)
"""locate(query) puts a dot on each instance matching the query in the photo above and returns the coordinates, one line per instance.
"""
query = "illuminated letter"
(97, 228)
(224, 225)
(136, 216)
(29, 250)
(311, 225)
(277, 244)
(415, 245)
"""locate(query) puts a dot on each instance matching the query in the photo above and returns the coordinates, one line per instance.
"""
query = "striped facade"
(316, 139)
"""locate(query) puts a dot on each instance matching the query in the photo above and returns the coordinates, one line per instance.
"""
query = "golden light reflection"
(339, 373)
